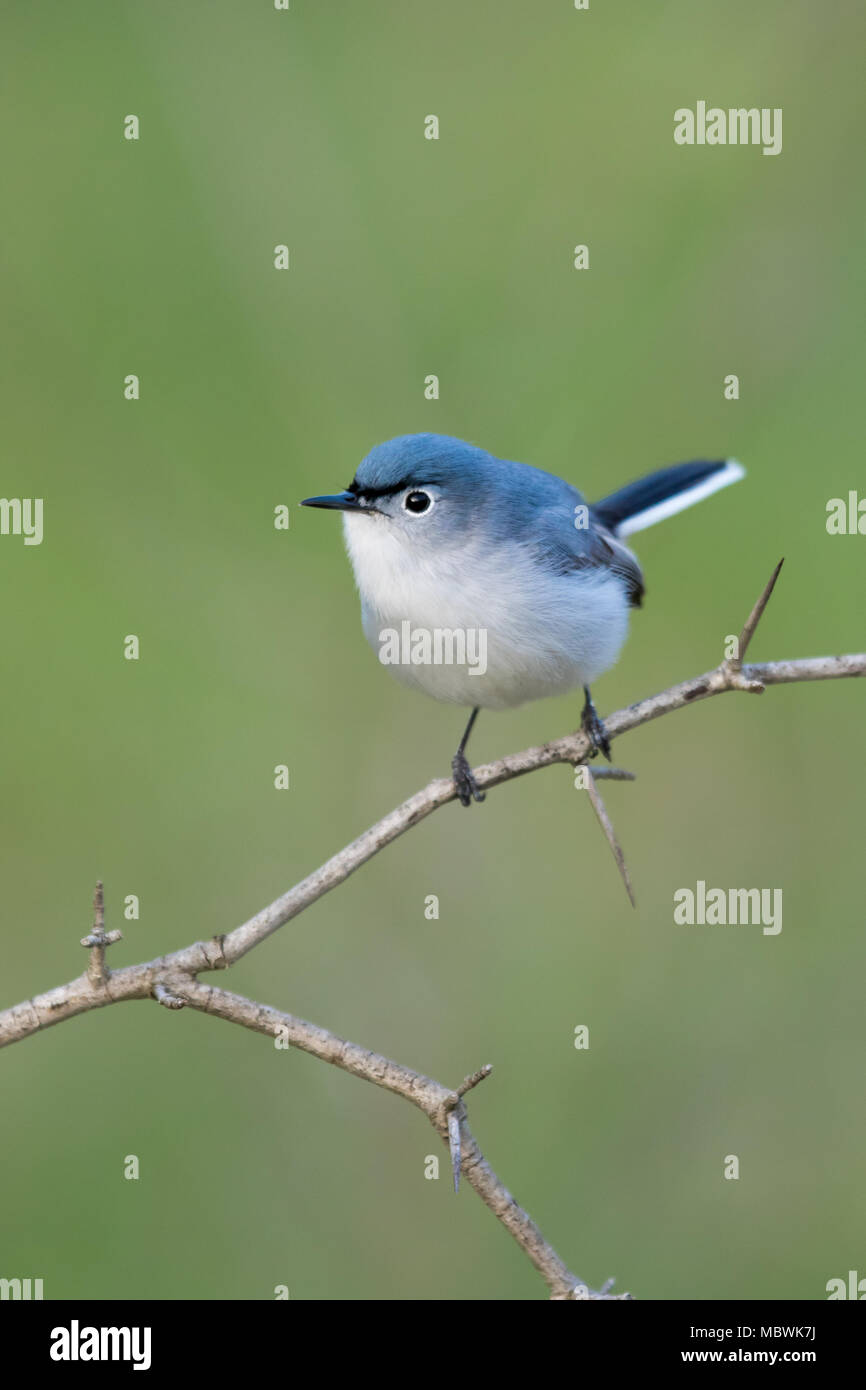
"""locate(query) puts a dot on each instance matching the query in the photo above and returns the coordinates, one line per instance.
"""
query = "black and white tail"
(664, 493)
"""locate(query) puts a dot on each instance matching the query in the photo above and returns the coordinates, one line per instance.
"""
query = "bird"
(460, 554)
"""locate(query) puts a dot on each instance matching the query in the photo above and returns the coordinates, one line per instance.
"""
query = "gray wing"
(554, 519)
(565, 547)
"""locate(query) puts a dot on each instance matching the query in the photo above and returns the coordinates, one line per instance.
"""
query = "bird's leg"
(467, 787)
(593, 727)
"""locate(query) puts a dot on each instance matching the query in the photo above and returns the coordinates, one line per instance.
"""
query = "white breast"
(544, 633)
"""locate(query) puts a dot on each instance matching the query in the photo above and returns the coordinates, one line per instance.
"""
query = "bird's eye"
(417, 502)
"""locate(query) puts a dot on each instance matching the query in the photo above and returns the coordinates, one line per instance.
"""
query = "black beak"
(337, 502)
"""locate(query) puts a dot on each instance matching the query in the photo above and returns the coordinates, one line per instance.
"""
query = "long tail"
(664, 493)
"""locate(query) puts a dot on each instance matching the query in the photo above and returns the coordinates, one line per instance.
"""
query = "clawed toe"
(468, 789)
(593, 727)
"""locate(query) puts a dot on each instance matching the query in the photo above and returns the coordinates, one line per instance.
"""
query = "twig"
(610, 834)
(455, 1113)
(472, 1081)
(437, 1102)
(97, 940)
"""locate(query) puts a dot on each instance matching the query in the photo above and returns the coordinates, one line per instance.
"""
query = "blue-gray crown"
(413, 459)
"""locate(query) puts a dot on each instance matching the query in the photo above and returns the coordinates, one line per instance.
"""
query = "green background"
(411, 257)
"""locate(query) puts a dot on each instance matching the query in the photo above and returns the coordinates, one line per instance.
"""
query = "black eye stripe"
(370, 494)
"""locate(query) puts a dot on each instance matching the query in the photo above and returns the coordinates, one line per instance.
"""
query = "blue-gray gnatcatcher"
(488, 583)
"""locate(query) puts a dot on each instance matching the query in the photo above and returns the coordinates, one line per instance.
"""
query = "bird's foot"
(468, 789)
(593, 726)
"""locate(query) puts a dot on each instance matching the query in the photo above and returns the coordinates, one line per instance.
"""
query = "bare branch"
(171, 979)
(137, 981)
(444, 1109)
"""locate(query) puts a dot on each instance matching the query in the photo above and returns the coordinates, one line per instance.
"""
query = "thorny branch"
(172, 979)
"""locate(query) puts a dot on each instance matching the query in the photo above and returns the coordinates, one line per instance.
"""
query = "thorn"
(97, 940)
(605, 822)
(748, 632)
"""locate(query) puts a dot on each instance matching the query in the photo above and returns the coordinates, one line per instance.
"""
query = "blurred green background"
(411, 257)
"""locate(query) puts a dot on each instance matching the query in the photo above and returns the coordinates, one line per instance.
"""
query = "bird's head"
(427, 489)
